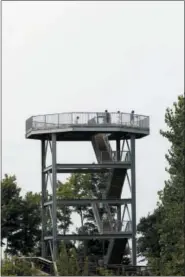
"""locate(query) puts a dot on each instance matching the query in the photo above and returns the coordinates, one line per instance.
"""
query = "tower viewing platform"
(82, 126)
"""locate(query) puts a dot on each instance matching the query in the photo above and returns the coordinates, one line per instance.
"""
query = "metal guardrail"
(115, 156)
(63, 120)
(117, 226)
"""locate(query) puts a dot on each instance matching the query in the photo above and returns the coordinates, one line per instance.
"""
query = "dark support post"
(119, 217)
(54, 185)
(43, 199)
(133, 190)
(118, 149)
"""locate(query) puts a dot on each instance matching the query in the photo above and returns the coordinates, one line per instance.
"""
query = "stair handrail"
(97, 152)
(97, 218)
(106, 140)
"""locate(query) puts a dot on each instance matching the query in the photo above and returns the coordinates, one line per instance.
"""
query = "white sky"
(89, 56)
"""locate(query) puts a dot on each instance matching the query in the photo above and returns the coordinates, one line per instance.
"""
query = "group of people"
(107, 117)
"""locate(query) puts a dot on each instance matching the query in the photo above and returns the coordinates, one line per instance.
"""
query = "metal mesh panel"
(29, 124)
(39, 122)
(115, 156)
(65, 119)
(125, 156)
(125, 226)
(52, 121)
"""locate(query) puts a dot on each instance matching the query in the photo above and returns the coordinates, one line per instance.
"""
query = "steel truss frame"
(49, 205)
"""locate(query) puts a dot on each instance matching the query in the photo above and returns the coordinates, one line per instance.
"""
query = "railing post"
(32, 122)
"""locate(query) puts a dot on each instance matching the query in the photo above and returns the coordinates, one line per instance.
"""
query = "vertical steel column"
(118, 147)
(133, 191)
(119, 217)
(43, 198)
(54, 185)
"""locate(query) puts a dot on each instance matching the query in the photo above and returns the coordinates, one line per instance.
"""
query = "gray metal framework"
(96, 128)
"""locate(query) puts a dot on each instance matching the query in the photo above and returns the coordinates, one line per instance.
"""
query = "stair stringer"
(101, 143)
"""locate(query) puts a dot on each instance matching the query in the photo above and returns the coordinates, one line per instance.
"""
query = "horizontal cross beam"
(80, 202)
(66, 168)
(115, 235)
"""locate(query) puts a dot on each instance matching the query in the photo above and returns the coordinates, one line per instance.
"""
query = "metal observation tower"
(99, 129)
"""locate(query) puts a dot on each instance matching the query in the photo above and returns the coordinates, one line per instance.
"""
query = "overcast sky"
(89, 56)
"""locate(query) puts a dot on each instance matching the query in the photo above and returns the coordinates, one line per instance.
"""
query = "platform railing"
(117, 226)
(63, 120)
(29, 124)
(123, 226)
(115, 156)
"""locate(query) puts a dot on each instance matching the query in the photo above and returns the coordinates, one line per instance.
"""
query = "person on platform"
(107, 117)
(77, 120)
(119, 117)
(132, 118)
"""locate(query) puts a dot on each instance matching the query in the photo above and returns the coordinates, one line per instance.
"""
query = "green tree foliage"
(172, 197)
(63, 261)
(162, 240)
(105, 272)
(26, 239)
(70, 264)
(20, 218)
(17, 267)
(10, 207)
(86, 267)
(74, 263)
(148, 242)
(64, 191)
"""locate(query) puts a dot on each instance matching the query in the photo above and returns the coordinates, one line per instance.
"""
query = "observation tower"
(99, 128)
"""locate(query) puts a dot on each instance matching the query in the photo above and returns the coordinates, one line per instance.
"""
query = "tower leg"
(119, 217)
(54, 186)
(118, 149)
(133, 191)
(43, 198)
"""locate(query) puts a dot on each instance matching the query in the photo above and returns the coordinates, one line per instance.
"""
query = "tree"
(162, 240)
(172, 197)
(17, 267)
(70, 264)
(26, 239)
(10, 207)
(148, 242)
(64, 191)
(20, 218)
